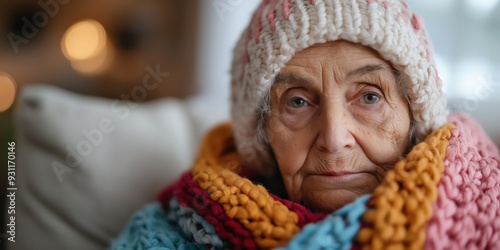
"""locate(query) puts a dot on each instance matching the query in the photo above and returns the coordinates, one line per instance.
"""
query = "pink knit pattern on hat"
(467, 211)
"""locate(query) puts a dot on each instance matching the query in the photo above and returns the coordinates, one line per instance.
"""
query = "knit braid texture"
(444, 195)
(467, 210)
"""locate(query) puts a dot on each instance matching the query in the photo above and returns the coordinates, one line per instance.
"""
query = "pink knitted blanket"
(467, 210)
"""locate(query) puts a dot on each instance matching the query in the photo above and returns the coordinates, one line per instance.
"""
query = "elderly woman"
(340, 138)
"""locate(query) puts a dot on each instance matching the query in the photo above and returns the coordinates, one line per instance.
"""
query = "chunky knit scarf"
(444, 195)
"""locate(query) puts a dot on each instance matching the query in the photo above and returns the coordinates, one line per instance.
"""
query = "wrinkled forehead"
(344, 58)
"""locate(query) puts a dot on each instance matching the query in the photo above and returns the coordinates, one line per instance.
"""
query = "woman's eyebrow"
(291, 78)
(279, 79)
(366, 70)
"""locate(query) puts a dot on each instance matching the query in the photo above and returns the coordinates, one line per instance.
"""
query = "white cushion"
(134, 151)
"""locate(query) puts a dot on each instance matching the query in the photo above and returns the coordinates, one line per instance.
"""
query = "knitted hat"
(281, 28)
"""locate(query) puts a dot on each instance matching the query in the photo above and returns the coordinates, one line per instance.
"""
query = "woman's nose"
(335, 131)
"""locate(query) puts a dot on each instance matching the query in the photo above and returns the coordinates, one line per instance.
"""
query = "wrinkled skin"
(338, 123)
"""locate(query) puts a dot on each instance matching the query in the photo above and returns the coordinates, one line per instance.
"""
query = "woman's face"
(337, 124)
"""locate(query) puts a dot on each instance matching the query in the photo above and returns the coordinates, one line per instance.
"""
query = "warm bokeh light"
(86, 46)
(7, 91)
(84, 40)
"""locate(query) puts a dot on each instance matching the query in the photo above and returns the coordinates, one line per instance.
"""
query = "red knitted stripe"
(190, 194)
(305, 215)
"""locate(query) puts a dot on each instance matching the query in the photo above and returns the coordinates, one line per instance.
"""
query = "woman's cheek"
(380, 138)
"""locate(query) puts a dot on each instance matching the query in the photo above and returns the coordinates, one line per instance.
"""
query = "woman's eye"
(370, 98)
(297, 102)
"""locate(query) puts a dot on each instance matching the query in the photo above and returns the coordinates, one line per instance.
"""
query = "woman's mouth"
(339, 173)
(340, 178)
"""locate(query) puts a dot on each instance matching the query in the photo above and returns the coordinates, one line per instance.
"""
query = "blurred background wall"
(105, 48)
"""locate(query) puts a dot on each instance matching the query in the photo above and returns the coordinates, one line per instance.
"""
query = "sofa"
(86, 164)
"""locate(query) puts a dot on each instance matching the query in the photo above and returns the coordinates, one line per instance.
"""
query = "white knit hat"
(281, 28)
